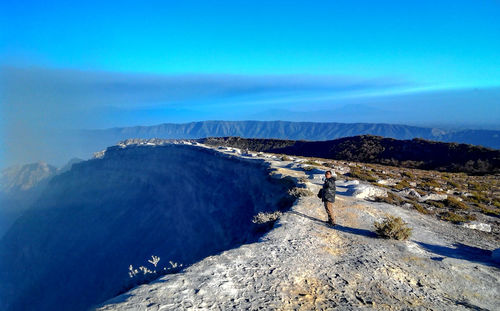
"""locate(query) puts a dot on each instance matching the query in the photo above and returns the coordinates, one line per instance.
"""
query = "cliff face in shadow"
(415, 153)
(72, 249)
(19, 188)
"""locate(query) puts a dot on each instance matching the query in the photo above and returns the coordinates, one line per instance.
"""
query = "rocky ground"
(303, 264)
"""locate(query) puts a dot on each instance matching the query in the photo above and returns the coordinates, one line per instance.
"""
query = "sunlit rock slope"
(304, 264)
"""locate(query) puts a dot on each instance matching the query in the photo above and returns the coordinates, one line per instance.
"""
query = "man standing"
(328, 196)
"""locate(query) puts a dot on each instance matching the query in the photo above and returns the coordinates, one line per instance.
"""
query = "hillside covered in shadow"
(73, 248)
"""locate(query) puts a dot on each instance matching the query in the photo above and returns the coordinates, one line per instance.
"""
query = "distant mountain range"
(415, 153)
(60, 146)
(286, 130)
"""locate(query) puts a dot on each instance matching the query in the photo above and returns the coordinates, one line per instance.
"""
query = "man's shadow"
(357, 231)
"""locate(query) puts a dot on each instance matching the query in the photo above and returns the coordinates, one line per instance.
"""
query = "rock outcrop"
(73, 248)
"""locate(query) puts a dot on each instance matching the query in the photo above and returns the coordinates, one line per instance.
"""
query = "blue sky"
(99, 64)
(433, 43)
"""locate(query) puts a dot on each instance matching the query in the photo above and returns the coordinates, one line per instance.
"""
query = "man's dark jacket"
(329, 190)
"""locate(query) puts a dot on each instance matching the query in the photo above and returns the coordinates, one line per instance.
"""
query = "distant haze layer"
(40, 106)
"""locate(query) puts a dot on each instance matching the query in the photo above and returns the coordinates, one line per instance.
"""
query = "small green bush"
(454, 184)
(436, 203)
(393, 228)
(429, 184)
(456, 204)
(401, 185)
(478, 197)
(420, 208)
(478, 186)
(454, 218)
(489, 211)
(358, 174)
(408, 175)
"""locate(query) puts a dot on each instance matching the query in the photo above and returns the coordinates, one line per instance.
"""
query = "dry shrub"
(262, 218)
(421, 209)
(391, 198)
(435, 203)
(489, 210)
(300, 192)
(402, 185)
(454, 218)
(393, 228)
(408, 175)
(455, 203)
(361, 175)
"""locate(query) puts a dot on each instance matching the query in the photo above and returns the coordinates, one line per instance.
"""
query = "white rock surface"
(478, 226)
(410, 192)
(368, 192)
(434, 197)
(387, 182)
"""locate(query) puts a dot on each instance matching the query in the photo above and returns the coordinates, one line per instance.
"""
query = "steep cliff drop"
(72, 249)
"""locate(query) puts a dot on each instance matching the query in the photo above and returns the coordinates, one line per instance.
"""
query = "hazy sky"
(67, 64)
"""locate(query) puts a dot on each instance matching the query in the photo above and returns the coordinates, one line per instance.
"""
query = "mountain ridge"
(415, 153)
(294, 130)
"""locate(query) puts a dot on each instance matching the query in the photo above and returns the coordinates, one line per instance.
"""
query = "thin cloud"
(37, 102)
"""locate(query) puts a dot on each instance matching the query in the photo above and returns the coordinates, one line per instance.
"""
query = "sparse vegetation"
(408, 175)
(453, 184)
(264, 218)
(402, 185)
(362, 175)
(143, 274)
(455, 203)
(454, 218)
(437, 204)
(489, 210)
(300, 192)
(420, 208)
(429, 184)
(477, 186)
(478, 197)
(393, 228)
(391, 198)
